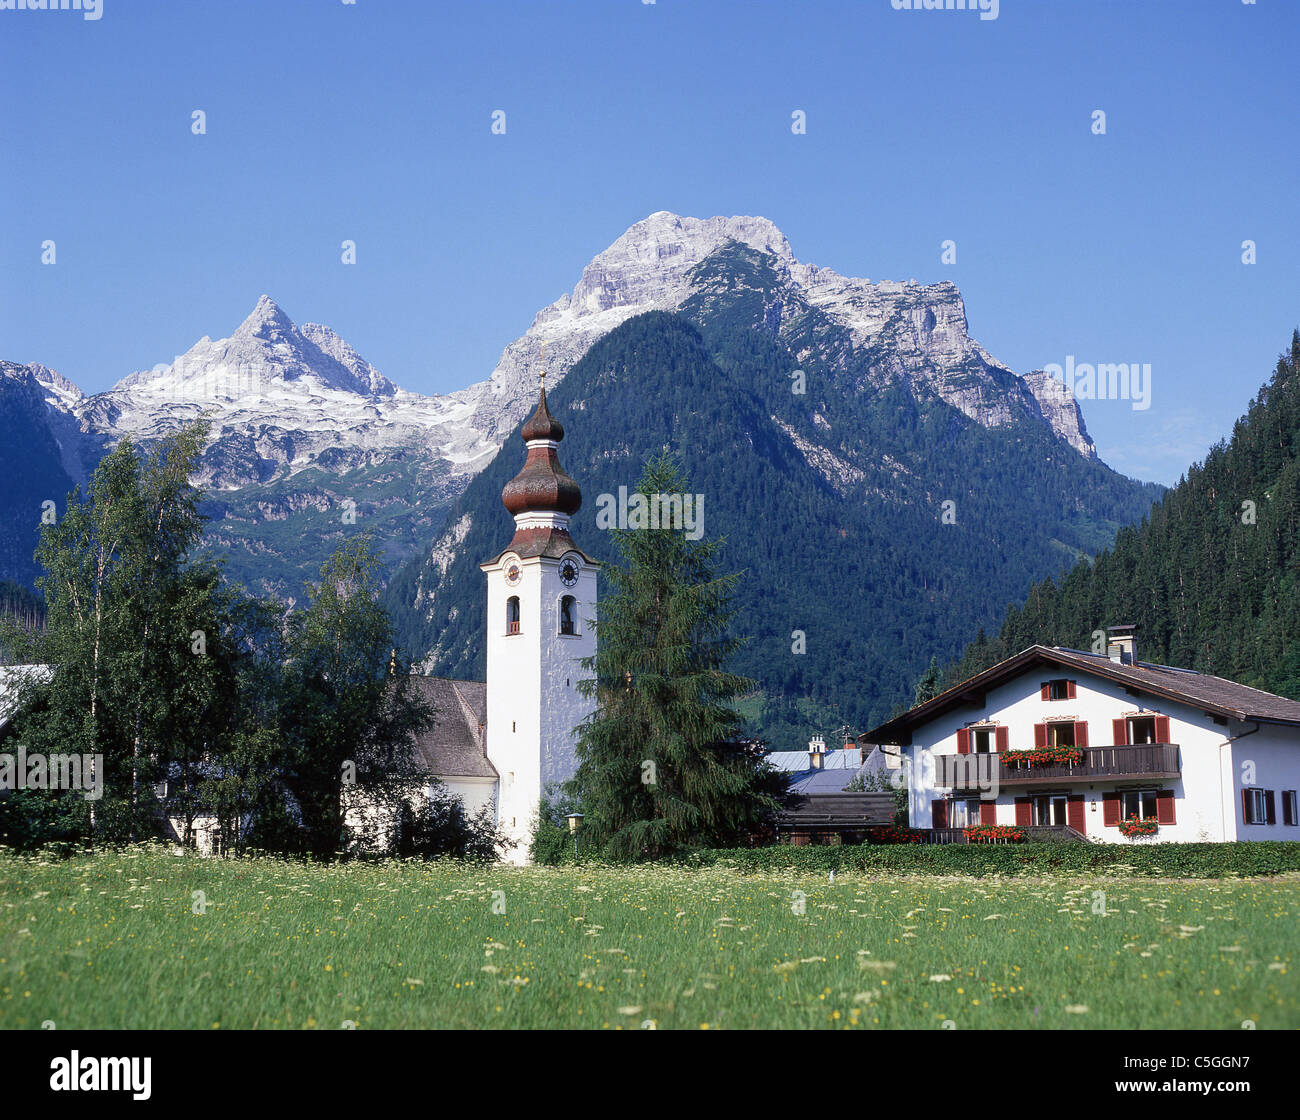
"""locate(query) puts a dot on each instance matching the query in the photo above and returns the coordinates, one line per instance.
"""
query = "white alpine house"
(1115, 739)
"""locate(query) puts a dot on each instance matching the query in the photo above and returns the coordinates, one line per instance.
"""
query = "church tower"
(541, 598)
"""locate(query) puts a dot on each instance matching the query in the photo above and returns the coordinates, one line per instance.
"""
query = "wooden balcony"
(976, 771)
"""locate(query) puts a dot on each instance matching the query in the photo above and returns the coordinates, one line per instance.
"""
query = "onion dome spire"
(542, 486)
(543, 425)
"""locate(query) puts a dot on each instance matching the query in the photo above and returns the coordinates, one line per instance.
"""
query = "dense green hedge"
(1174, 861)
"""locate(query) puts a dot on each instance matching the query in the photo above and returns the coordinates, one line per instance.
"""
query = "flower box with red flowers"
(1138, 826)
(895, 834)
(994, 834)
(1043, 756)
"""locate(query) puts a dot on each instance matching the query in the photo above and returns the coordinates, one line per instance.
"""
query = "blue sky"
(371, 122)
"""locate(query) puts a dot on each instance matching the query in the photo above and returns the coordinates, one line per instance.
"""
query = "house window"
(568, 615)
(1257, 806)
(963, 812)
(1141, 729)
(1060, 733)
(1059, 690)
(1049, 809)
(1140, 803)
(1290, 810)
(981, 740)
(512, 615)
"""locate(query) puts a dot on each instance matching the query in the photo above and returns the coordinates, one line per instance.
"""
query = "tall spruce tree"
(661, 765)
(929, 686)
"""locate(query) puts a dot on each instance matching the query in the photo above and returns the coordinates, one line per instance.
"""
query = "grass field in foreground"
(111, 940)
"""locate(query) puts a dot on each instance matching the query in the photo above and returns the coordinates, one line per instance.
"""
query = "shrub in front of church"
(437, 825)
(553, 842)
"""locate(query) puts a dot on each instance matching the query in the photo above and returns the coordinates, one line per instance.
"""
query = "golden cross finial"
(543, 367)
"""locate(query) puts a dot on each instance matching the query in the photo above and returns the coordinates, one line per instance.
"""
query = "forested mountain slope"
(831, 500)
(1211, 577)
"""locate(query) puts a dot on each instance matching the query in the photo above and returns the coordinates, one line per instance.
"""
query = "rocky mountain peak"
(55, 383)
(267, 353)
(653, 256)
(267, 321)
(919, 331)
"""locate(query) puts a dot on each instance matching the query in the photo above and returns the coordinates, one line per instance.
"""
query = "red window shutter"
(963, 741)
(1071, 691)
(1110, 809)
(938, 814)
(1162, 729)
(1119, 732)
(988, 812)
(1004, 739)
(1045, 690)
(1024, 811)
(1165, 806)
(1270, 807)
(1081, 733)
(1245, 807)
(1040, 734)
(1074, 813)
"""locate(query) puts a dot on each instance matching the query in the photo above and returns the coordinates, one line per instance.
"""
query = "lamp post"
(575, 819)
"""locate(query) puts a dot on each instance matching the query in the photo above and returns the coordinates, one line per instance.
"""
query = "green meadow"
(113, 940)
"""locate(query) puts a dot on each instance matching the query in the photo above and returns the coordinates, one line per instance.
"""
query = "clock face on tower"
(569, 572)
(514, 573)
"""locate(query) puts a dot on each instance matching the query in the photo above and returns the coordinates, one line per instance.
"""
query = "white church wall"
(532, 686)
(474, 793)
(514, 698)
(563, 706)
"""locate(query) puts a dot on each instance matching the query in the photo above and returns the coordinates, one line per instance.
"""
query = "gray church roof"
(455, 746)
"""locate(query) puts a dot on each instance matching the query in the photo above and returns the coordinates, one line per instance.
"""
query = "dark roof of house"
(820, 781)
(455, 746)
(838, 810)
(1215, 695)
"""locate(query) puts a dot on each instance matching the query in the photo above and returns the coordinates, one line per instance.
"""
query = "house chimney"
(816, 752)
(1121, 645)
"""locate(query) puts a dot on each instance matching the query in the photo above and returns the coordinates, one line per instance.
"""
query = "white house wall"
(1271, 757)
